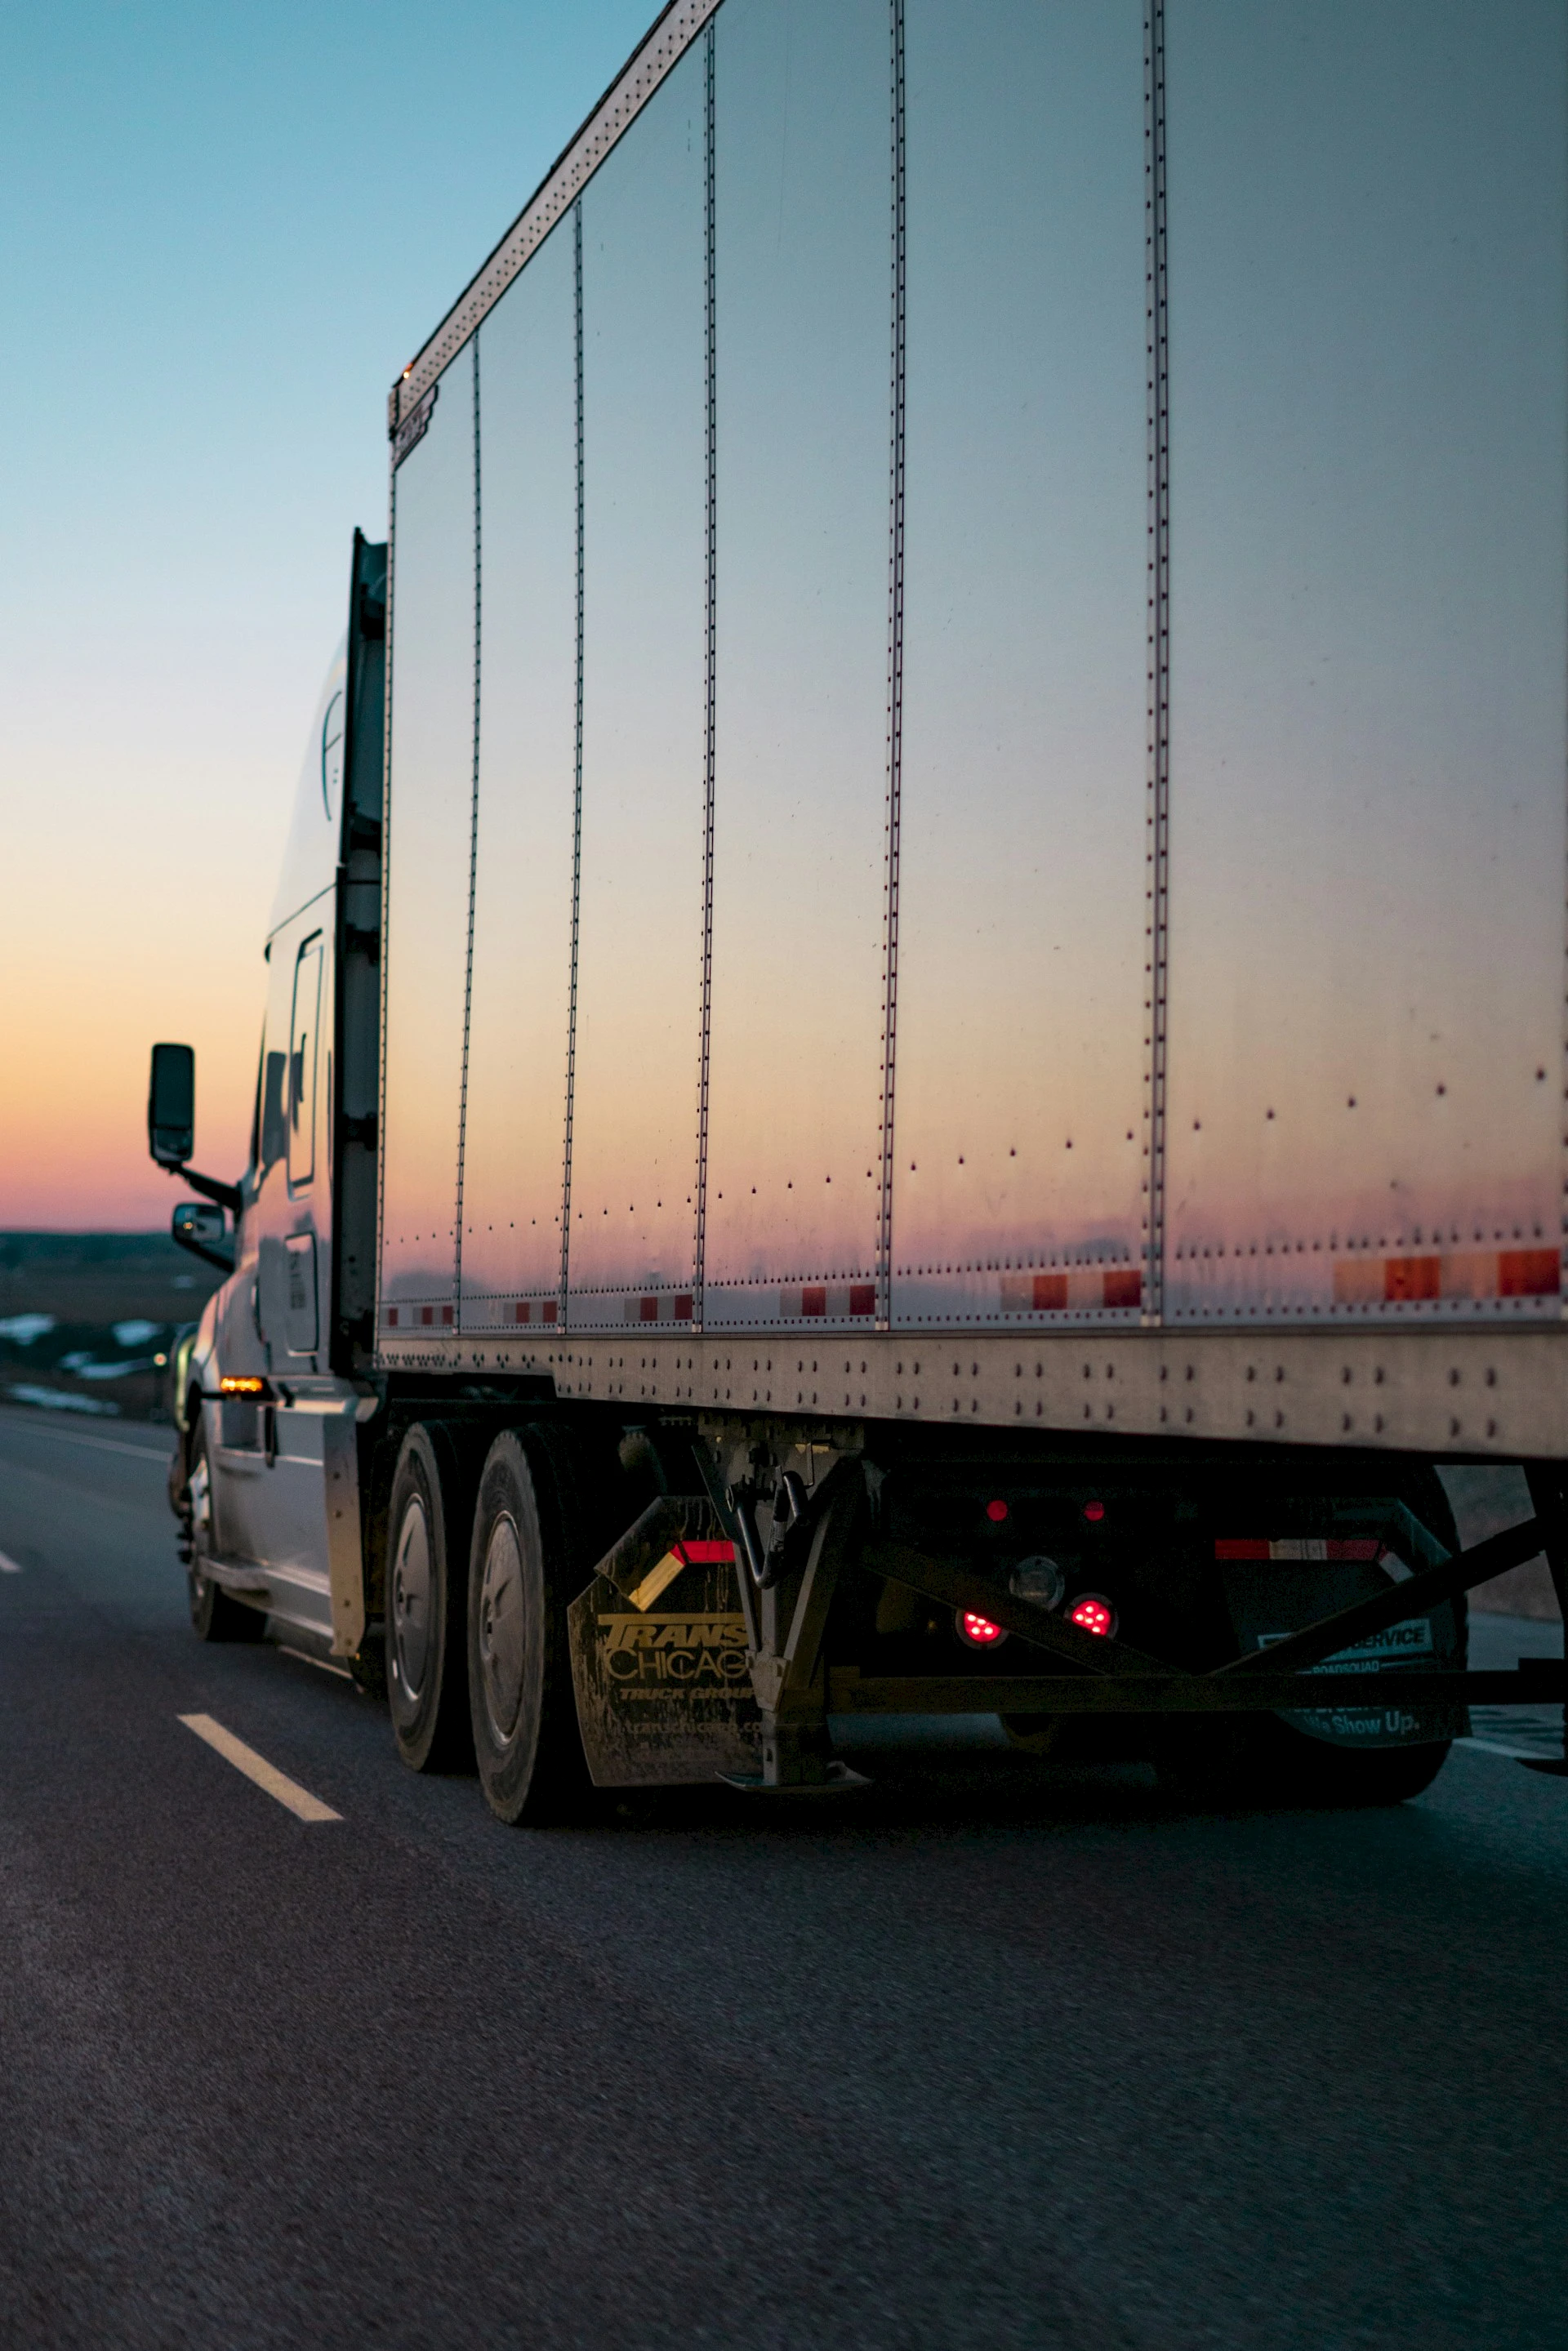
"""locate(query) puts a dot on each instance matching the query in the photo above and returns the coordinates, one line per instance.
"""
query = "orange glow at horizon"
(125, 922)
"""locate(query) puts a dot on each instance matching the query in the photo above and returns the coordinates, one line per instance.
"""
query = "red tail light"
(1092, 1614)
(978, 1631)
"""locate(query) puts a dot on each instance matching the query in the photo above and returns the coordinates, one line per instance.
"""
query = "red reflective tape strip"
(550, 1311)
(705, 1555)
(1288, 1547)
(862, 1298)
(391, 1317)
(1406, 1278)
(1084, 1287)
(813, 1302)
(1477, 1274)
(1528, 1274)
(662, 1306)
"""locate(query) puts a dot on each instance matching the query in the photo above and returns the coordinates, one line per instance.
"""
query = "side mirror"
(172, 1105)
(194, 1220)
(198, 1228)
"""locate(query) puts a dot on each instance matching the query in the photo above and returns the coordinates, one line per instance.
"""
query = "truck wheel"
(1254, 1762)
(1264, 1765)
(1338, 1777)
(524, 1709)
(1309, 1772)
(215, 1614)
(427, 1571)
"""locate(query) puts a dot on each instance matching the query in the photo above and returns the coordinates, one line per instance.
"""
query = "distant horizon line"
(85, 1233)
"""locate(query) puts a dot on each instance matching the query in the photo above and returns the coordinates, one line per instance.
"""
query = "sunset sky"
(226, 229)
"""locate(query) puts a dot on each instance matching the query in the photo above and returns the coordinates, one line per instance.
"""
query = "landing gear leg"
(787, 1670)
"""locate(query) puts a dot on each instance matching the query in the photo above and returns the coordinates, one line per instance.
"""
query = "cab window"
(303, 1031)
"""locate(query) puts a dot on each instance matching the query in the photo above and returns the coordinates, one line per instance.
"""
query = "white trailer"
(915, 1048)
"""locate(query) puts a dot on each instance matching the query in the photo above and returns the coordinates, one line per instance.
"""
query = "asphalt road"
(985, 2057)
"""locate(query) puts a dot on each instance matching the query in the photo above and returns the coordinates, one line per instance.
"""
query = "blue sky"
(224, 230)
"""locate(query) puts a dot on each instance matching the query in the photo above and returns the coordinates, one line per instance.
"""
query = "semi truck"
(913, 1045)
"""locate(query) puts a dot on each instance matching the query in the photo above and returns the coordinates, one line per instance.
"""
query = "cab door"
(293, 1314)
(286, 1503)
(293, 1217)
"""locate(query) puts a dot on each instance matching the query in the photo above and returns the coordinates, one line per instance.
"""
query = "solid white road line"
(9, 1566)
(288, 1792)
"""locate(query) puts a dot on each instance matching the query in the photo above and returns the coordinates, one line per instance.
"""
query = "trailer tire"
(1310, 1772)
(1338, 1778)
(215, 1614)
(1265, 1762)
(1261, 1765)
(428, 1518)
(526, 1741)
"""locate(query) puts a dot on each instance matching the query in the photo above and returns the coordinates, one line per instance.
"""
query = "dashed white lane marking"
(287, 1792)
(9, 1566)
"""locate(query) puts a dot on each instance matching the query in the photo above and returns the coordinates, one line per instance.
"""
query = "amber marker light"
(242, 1384)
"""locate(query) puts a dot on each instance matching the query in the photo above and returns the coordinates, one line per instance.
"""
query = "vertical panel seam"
(705, 1030)
(473, 857)
(1157, 816)
(1562, 1130)
(894, 673)
(577, 785)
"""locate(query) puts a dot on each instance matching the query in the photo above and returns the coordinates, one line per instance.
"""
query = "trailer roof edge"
(660, 48)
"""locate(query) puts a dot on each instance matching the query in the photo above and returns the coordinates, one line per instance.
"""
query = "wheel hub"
(501, 1628)
(411, 1599)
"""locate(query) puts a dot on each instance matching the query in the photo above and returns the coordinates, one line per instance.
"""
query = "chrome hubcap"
(410, 1600)
(501, 1628)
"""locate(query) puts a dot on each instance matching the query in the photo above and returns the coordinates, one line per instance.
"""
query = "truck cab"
(274, 1387)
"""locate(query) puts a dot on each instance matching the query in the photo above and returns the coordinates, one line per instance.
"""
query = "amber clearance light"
(242, 1384)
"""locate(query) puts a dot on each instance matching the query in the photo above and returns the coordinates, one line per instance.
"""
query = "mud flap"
(663, 1692)
(1270, 1596)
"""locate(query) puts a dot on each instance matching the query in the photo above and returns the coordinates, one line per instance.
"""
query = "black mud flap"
(663, 1693)
(1275, 1588)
